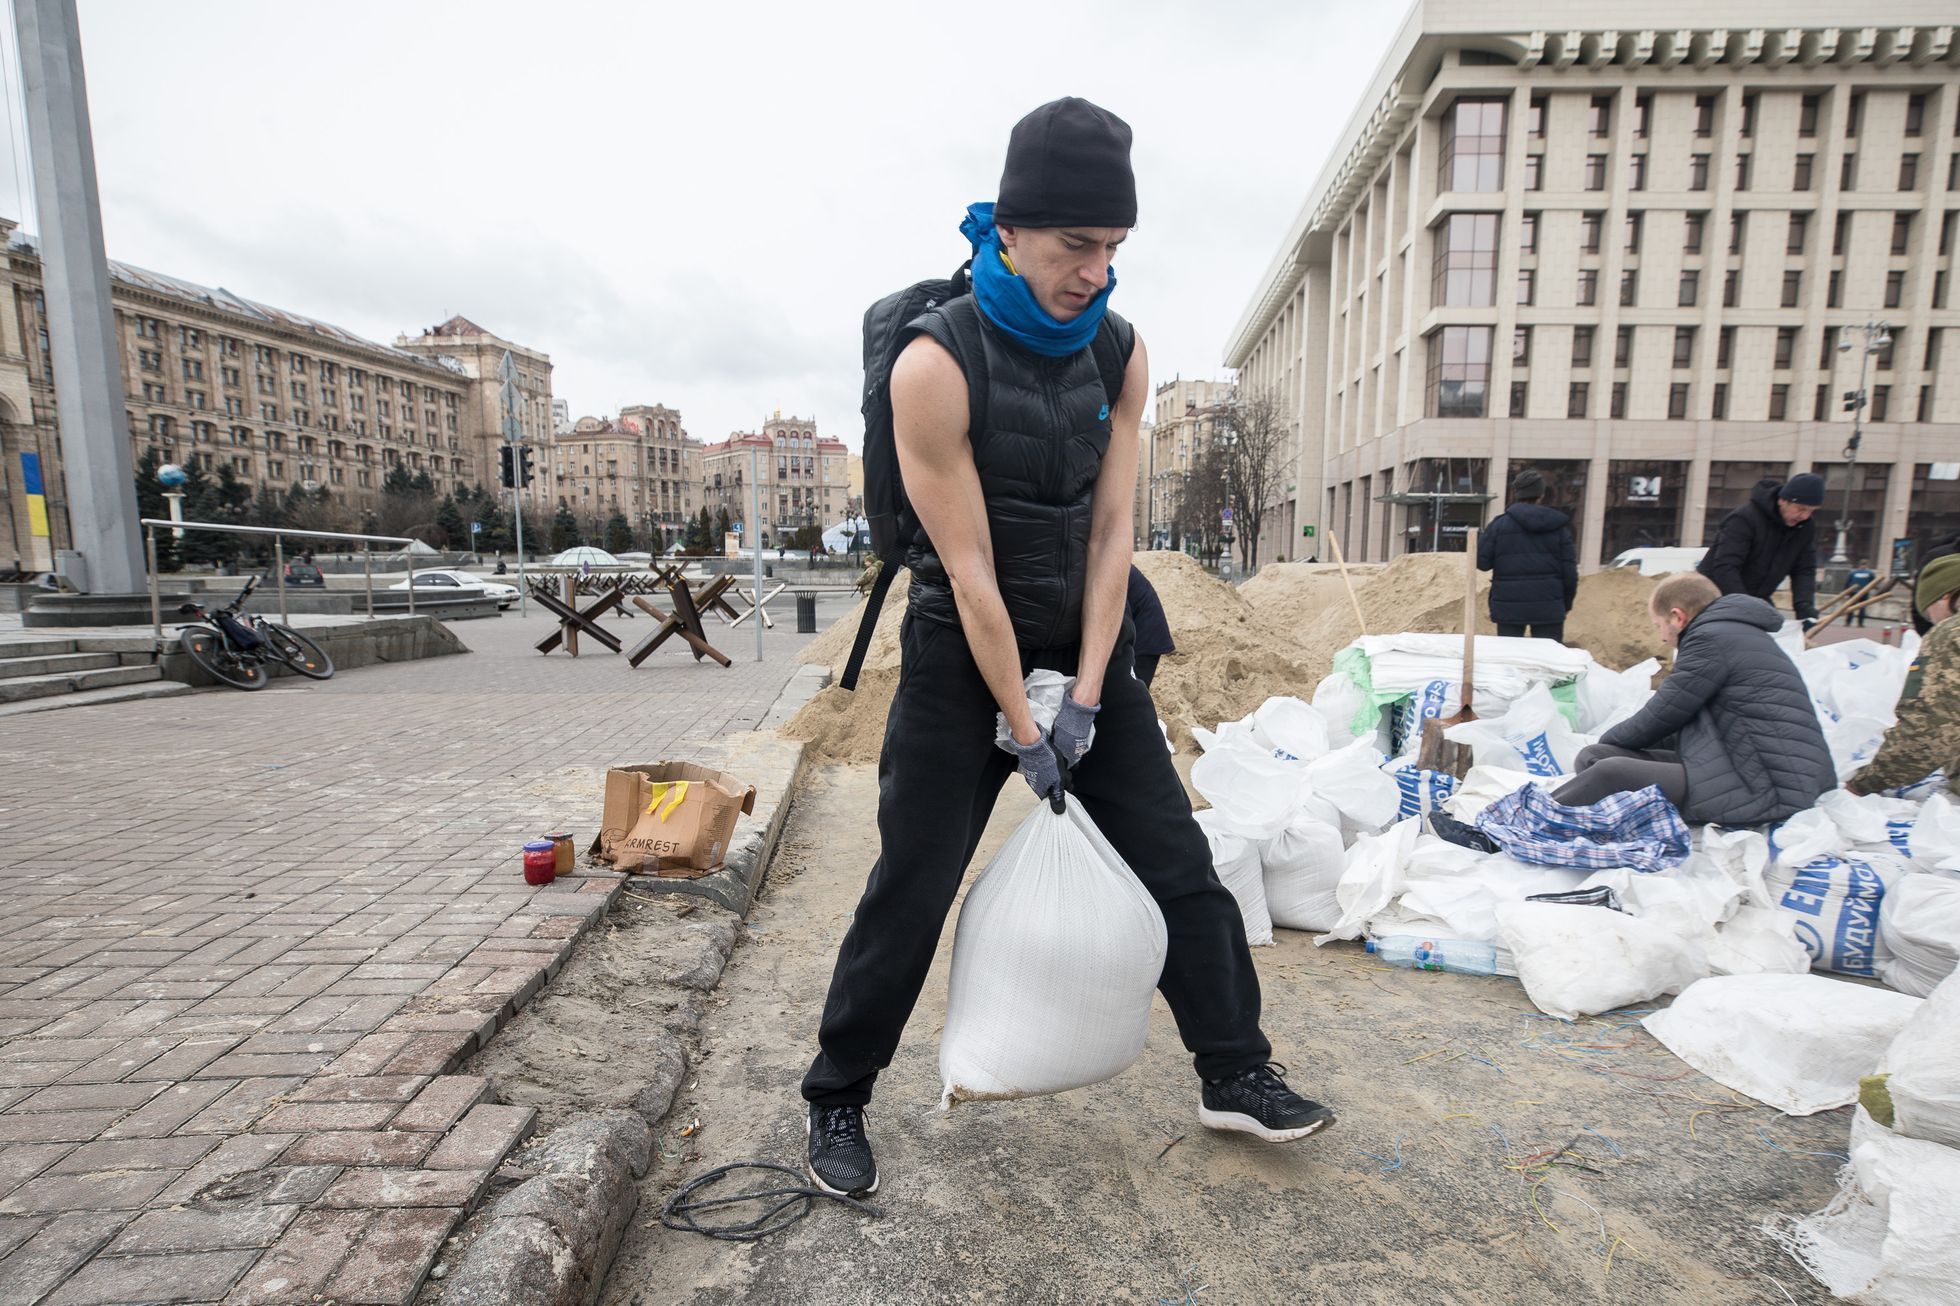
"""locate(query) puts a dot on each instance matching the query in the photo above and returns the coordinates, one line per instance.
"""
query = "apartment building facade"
(641, 464)
(805, 477)
(1184, 417)
(1629, 258)
(478, 354)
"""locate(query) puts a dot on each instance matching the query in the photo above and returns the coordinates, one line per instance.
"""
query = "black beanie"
(1068, 164)
(1528, 484)
(1805, 488)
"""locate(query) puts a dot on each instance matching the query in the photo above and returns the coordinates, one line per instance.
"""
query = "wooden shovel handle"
(1469, 613)
(1334, 542)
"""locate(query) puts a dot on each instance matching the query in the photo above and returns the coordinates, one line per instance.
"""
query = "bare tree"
(1256, 442)
(1198, 515)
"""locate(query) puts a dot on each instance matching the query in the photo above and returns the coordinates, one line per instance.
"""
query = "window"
(1779, 403)
(1915, 114)
(1677, 402)
(1946, 232)
(1731, 284)
(1465, 268)
(1792, 287)
(1690, 289)
(1582, 346)
(230, 375)
(1807, 116)
(1576, 396)
(1738, 223)
(1901, 232)
(1882, 360)
(1854, 115)
(1848, 173)
(1840, 233)
(1588, 287)
(1528, 233)
(1834, 292)
(1798, 229)
(1908, 172)
(1521, 346)
(1637, 172)
(1595, 172)
(1801, 178)
(1534, 118)
(1519, 391)
(149, 360)
(1691, 237)
(1881, 403)
(1820, 407)
(1895, 288)
(1939, 289)
(1724, 346)
(1953, 172)
(1742, 171)
(1718, 403)
(1599, 116)
(1534, 172)
(1704, 115)
(1748, 125)
(1643, 106)
(1589, 228)
(1616, 402)
(1786, 348)
(1459, 371)
(1698, 172)
(1527, 285)
(1623, 346)
(1472, 156)
(1925, 413)
(1633, 233)
(1684, 346)
(1629, 287)
(1931, 362)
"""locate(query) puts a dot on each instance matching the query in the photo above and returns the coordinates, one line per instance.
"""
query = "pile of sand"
(1294, 595)
(849, 725)
(1609, 619)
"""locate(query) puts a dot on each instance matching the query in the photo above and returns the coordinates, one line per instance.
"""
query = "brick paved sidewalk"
(247, 936)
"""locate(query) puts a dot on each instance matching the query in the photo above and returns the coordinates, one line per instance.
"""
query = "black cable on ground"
(679, 1213)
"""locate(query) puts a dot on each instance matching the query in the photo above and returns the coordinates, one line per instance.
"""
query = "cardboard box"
(671, 819)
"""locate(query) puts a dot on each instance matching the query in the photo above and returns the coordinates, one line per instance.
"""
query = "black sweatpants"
(1539, 630)
(1603, 769)
(937, 781)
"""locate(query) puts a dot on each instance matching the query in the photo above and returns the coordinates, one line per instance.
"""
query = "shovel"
(1438, 753)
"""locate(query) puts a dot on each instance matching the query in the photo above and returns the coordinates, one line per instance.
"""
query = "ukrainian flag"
(37, 499)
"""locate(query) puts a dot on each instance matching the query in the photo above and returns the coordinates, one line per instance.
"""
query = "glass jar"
(540, 862)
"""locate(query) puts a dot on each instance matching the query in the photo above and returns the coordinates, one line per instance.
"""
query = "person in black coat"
(1769, 539)
(1534, 567)
(1153, 632)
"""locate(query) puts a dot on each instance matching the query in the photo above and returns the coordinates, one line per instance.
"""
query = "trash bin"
(806, 614)
(769, 570)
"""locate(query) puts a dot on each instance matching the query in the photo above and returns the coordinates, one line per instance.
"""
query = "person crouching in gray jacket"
(1731, 736)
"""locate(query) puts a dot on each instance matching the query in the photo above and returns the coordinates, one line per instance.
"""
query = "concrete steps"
(86, 697)
(22, 679)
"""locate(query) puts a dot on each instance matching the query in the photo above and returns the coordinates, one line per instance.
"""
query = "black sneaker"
(840, 1154)
(1463, 835)
(1258, 1102)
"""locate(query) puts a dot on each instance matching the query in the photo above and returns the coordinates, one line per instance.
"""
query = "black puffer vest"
(1039, 429)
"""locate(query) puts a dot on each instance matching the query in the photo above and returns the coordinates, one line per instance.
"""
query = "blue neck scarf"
(1010, 305)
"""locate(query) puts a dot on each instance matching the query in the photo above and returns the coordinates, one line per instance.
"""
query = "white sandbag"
(1742, 855)
(1352, 782)
(1421, 791)
(1532, 735)
(1855, 685)
(1254, 793)
(1919, 932)
(1044, 690)
(1056, 957)
(1303, 865)
(1865, 819)
(1373, 877)
(1579, 961)
(1797, 1042)
(1934, 841)
(1341, 703)
(1892, 1233)
(1483, 786)
(1296, 732)
(1467, 903)
(1236, 859)
(1757, 941)
(1602, 699)
(1804, 838)
(1924, 1066)
(1834, 904)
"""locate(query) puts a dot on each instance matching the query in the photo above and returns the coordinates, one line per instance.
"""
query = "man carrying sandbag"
(1927, 736)
(1020, 560)
(1731, 736)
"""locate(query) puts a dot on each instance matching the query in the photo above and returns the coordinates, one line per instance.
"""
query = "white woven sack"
(1919, 932)
(1800, 1043)
(1579, 961)
(1303, 865)
(1058, 950)
(1236, 859)
(1924, 1062)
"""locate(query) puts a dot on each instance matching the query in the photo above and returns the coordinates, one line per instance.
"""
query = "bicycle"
(237, 651)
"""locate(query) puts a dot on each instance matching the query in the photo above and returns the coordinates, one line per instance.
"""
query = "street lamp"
(1878, 336)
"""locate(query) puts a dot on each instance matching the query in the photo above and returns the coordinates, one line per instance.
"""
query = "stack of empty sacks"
(1316, 824)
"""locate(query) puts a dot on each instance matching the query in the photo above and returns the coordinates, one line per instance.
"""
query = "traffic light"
(1853, 400)
(508, 479)
(524, 465)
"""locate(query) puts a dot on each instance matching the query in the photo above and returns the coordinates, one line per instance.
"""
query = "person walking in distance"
(1020, 561)
(1861, 576)
(1533, 565)
(1769, 540)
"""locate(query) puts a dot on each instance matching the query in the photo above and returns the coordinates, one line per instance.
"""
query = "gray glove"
(1038, 767)
(1072, 726)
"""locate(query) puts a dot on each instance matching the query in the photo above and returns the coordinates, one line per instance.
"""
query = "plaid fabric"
(1640, 830)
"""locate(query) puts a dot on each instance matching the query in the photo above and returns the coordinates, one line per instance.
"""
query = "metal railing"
(278, 534)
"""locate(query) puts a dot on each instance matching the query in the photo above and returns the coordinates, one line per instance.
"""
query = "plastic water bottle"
(1417, 953)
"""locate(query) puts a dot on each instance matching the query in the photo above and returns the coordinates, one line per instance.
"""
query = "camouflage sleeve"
(1927, 736)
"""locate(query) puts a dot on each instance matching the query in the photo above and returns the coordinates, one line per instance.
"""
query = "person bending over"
(1927, 737)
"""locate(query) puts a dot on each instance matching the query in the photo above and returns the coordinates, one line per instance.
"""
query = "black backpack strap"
(1114, 342)
(868, 626)
(956, 326)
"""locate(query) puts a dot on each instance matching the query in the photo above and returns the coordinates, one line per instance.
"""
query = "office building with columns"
(1640, 259)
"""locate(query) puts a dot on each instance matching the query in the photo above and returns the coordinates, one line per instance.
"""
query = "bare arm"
(929, 420)
(1112, 540)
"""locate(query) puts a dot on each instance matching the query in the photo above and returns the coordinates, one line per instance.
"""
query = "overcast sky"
(692, 205)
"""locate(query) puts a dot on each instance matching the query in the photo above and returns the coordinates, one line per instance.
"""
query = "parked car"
(1659, 561)
(301, 575)
(442, 578)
